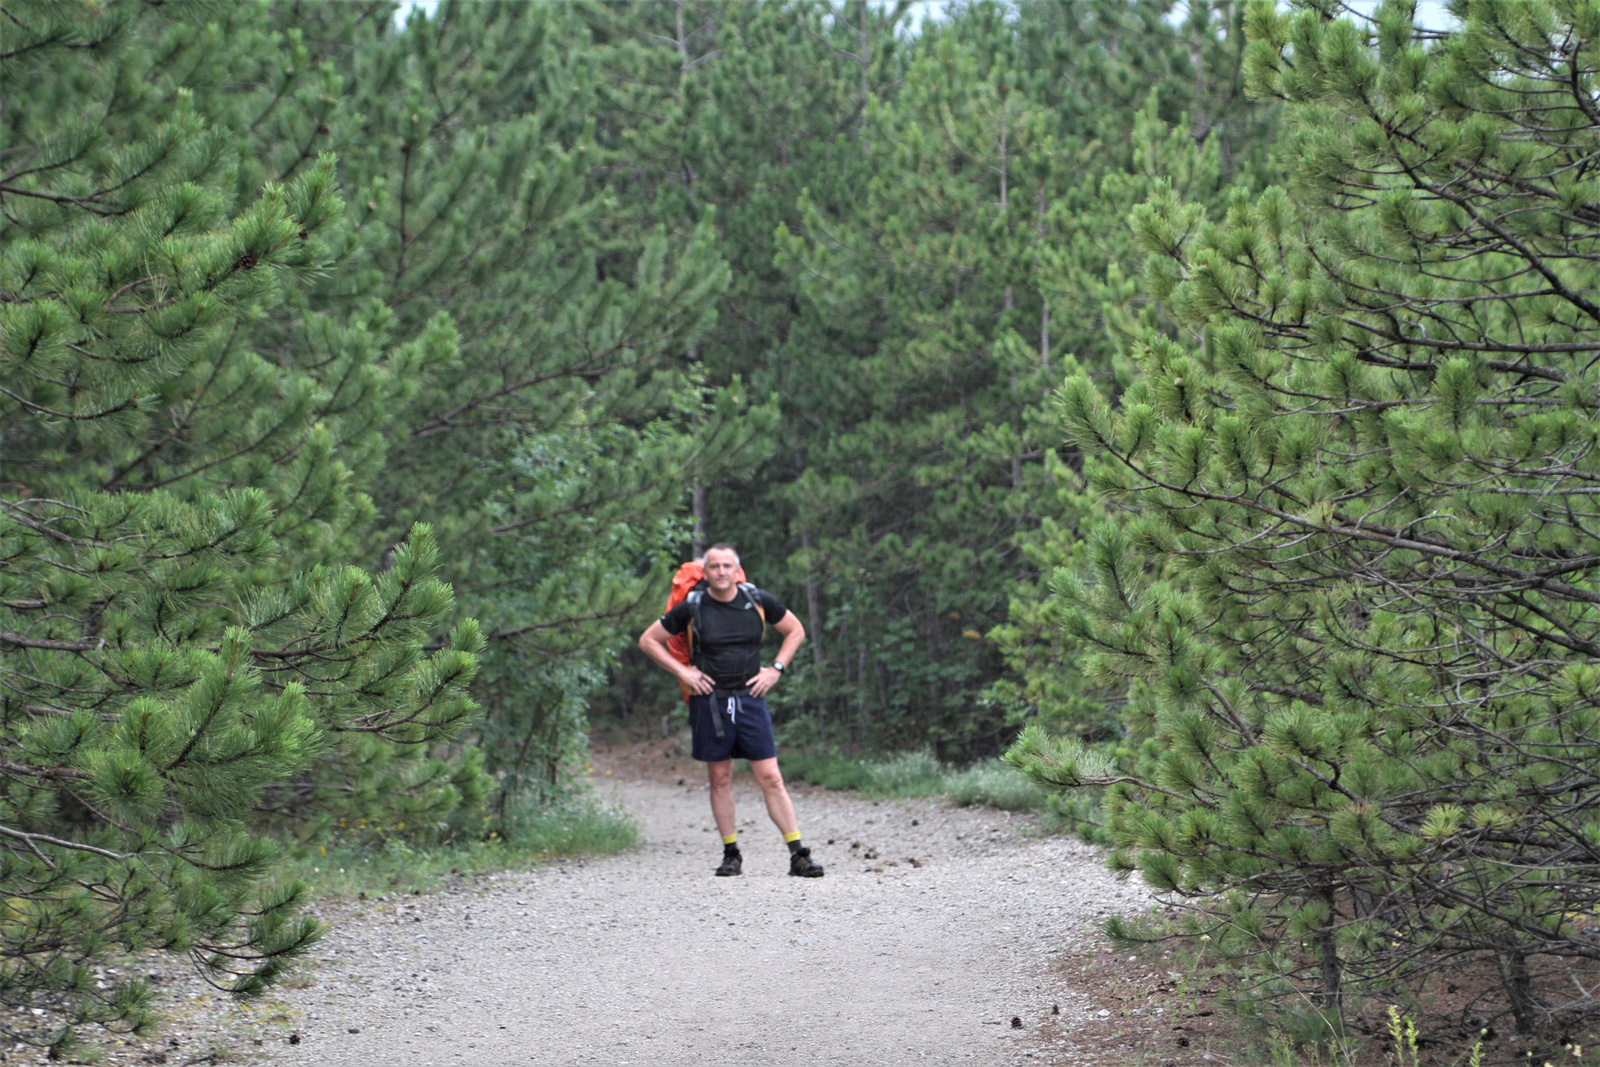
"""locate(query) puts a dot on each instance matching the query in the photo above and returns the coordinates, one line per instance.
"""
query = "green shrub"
(993, 784)
(578, 825)
(830, 772)
(528, 834)
(918, 774)
(906, 774)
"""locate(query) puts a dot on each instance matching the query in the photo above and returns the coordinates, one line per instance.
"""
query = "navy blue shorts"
(746, 733)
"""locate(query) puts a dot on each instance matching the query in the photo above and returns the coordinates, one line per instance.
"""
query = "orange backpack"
(689, 580)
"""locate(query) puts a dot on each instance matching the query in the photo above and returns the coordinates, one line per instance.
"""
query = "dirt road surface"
(645, 958)
(939, 935)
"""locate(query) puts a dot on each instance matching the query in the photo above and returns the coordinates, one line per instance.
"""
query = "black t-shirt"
(729, 648)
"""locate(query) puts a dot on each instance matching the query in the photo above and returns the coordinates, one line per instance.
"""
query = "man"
(728, 718)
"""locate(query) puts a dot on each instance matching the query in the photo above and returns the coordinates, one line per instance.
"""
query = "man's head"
(722, 567)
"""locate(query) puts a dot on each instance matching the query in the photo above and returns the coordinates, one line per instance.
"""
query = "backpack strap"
(697, 597)
(750, 592)
(694, 598)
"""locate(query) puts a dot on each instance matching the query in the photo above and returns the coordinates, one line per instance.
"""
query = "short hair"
(724, 546)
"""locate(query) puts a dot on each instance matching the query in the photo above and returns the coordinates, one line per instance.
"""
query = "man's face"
(721, 569)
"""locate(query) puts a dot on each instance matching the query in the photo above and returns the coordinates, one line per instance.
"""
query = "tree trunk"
(1519, 990)
(813, 609)
(1004, 161)
(698, 549)
(1331, 999)
(1044, 301)
(682, 43)
(861, 696)
(864, 58)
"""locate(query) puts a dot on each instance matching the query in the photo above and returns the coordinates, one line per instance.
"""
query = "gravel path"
(645, 958)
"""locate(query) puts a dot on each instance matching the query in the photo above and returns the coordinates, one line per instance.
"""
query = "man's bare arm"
(653, 643)
(793, 633)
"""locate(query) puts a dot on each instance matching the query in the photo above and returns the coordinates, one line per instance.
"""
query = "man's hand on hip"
(697, 680)
(765, 679)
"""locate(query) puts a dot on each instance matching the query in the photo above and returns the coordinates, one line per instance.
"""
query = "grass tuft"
(830, 772)
(993, 784)
(918, 774)
(533, 833)
(907, 774)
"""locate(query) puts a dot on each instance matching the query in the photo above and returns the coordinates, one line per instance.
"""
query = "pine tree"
(181, 630)
(1353, 609)
(551, 424)
(1098, 266)
(742, 107)
(938, 304)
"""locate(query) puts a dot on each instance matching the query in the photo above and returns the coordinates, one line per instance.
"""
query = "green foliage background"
(924, 231)
(1203, 391)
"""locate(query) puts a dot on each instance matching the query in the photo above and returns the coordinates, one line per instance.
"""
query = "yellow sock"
(795, 836)
(728, 839)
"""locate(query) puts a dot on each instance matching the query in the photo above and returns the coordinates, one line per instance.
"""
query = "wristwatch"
(777, 665)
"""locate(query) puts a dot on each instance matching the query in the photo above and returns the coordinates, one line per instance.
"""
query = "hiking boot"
(801, 865)
(732, 864)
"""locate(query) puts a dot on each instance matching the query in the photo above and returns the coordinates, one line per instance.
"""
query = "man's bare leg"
(779, 806)
(721, 778)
